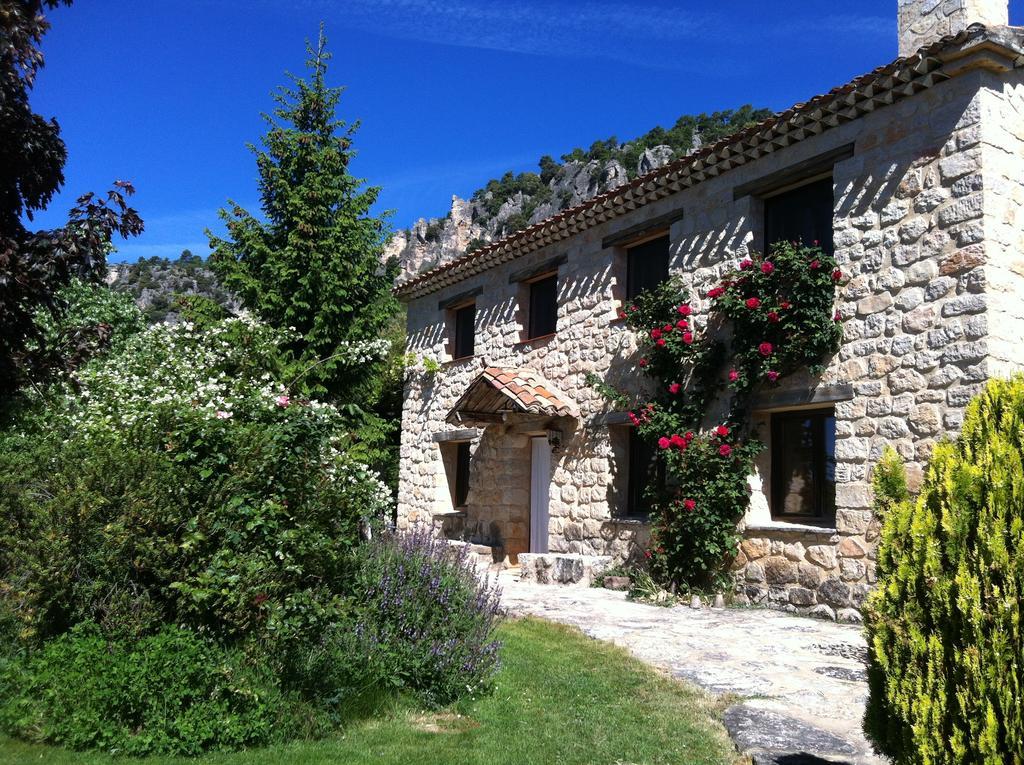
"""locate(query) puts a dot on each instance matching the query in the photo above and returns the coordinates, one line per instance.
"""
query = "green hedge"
(944, 626)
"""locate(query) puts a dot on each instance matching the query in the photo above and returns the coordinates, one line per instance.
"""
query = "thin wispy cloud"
(641, 34)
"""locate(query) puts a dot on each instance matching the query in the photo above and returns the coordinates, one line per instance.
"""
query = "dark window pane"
(803, 465)
(803, 215)
(462, 474)
(645, 472)
(543, 306)
(646, 266)
(465, 330)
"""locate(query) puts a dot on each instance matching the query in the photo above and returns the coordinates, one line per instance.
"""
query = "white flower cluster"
(353, 353)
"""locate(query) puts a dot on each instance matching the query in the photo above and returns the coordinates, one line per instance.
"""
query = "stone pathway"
(802, 680)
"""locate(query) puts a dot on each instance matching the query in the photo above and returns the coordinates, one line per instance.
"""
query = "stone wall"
(925, 21)
(910, 232)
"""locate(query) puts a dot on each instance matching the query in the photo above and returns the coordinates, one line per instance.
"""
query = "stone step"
(562, 568)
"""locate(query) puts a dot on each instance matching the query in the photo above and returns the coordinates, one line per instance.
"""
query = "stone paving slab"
(802, 679)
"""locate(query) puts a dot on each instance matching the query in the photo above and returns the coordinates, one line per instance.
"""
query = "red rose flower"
(643, 362)
(725, 450)
(745, 264)
(785, 305)
(682, 324)
(663, 442)
(633, 418)
(674, 388)
(633, 308)
(717, 292)
(767, 267)
(689, 504)
(687, 337)
(678, 441)
(659, 342)
(647, 554)
(837, 275)
(667, 328)
(837, 317)
(655, 334)
(622, 314)
(765, 349)
(815, 264)
(722, 431)
(753, 303)
(685, 310)
(773, 316)
(690, 435)
(773, 375)
(733, 375)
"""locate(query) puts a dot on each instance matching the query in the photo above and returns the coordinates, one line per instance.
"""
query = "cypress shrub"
(944, 626)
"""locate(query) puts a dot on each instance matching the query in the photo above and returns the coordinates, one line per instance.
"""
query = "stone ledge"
(781, 526)
(562, 568)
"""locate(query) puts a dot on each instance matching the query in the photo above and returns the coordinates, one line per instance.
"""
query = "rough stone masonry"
(927, 183)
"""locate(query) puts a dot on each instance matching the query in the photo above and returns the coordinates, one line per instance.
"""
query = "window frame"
(631, 251)
(455, 313)
(462, 485)
(778, 198)
(634, 492)
(532, 332)
(825, 505)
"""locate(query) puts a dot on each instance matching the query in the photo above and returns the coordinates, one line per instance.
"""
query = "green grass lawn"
(560, 698)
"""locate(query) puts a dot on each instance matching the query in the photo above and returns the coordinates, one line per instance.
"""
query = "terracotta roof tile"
(526, 391)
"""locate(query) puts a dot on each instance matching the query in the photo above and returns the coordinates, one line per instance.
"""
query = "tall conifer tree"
(312, 260)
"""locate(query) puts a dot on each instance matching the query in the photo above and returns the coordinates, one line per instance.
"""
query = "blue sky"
(167, 93)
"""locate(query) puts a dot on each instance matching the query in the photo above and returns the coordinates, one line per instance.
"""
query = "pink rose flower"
(674, 388)
(773, 316)
(725, 450)
(222, 415)
(773, 375)
(745, 264)
(733, 375)
(643, 362)
(722, 431)
(765, 349)
(837, 317)
(664, 443)
(815, 264)
(282, 400)
(688, 337)
(753, 303)
(685, 310)
(767, 267)
(689, 504)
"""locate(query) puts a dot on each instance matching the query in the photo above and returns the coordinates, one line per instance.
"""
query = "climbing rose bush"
(765, 319)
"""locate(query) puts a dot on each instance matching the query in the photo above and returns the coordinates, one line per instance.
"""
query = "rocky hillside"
(514, 202)
(154, 283)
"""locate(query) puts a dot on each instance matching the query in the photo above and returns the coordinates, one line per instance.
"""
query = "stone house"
(912, 173)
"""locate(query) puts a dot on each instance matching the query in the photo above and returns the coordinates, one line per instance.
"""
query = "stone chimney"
(924, 21)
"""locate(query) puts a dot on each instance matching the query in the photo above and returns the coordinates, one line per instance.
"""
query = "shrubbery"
(425, 617)
(181, 564)
(944, 625)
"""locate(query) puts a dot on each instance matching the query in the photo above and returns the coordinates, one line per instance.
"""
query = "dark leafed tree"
(34, 265)
(312, 260)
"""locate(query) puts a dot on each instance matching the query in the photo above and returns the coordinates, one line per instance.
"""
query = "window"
(543, 306)
(461, 473)
(644, 472)
(802, 215)
(803, 481)
(646, 266)
(465, 331)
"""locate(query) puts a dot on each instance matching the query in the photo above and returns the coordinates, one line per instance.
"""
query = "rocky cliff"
(155, 283)
(514, 202)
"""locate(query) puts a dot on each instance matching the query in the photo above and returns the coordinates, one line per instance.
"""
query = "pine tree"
(312, 261)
